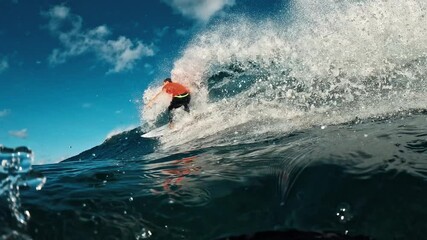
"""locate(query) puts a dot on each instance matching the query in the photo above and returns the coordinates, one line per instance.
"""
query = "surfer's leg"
(186, 108)
(170, 116)
(170, 108)
(186, 102)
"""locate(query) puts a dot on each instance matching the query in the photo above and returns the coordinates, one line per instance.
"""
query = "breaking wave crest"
(320, 63)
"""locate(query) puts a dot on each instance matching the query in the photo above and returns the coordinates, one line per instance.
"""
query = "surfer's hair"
(167, 80)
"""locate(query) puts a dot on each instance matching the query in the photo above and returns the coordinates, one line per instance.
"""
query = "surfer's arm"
(154, 98)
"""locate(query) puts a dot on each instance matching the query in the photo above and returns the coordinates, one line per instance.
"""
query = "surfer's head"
(167, 80)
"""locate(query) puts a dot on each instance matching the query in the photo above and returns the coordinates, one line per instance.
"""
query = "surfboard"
(184, 120)
(157, 132)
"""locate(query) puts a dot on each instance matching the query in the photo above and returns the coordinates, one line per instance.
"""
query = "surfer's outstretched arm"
(154, 98)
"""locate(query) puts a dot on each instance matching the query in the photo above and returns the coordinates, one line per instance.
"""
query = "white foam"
(352, 59)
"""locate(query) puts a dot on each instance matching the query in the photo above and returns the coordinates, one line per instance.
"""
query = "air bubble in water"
(343, 213)
(144, 234)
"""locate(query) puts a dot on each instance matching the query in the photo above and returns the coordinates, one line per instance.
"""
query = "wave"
(147, 190)
(319, 63)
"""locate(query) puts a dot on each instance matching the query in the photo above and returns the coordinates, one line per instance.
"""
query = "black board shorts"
(178, 102)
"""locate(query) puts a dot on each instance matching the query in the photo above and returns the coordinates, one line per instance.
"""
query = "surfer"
(180, 96)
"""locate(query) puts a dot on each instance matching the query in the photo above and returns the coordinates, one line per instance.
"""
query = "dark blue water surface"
(358, 179)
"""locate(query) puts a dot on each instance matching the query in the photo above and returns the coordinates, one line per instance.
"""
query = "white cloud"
(23, 133)
(120, 130)
(161, 31)
(201, 10)
(4, 64)
(121, 54)
(181, 32)
(4, 112)
(59, 12)
(148, 66)
(149, 69)
(86, 105)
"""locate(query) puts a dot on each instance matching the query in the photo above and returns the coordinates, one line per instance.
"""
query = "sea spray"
(16, 172)
(320, 63)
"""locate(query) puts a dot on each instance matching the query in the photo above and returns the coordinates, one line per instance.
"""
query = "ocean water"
(365, 178)
(308, 124)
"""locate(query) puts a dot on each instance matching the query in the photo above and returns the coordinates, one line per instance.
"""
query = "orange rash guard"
(175, 89)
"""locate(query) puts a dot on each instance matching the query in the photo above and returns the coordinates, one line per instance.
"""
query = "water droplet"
(322, 127)
(27, 214)
(344, 213)
(144, 234)
(131, 199)
(16, 165)
(42, 181)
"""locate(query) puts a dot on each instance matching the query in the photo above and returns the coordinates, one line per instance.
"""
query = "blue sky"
(72, 72)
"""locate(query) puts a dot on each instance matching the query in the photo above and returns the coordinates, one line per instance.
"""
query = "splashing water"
(15, 172)
(320, 63)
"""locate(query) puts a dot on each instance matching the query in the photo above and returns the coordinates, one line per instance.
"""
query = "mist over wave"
(319, 63)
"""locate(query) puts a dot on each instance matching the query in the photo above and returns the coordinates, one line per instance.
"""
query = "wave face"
(320, 63)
